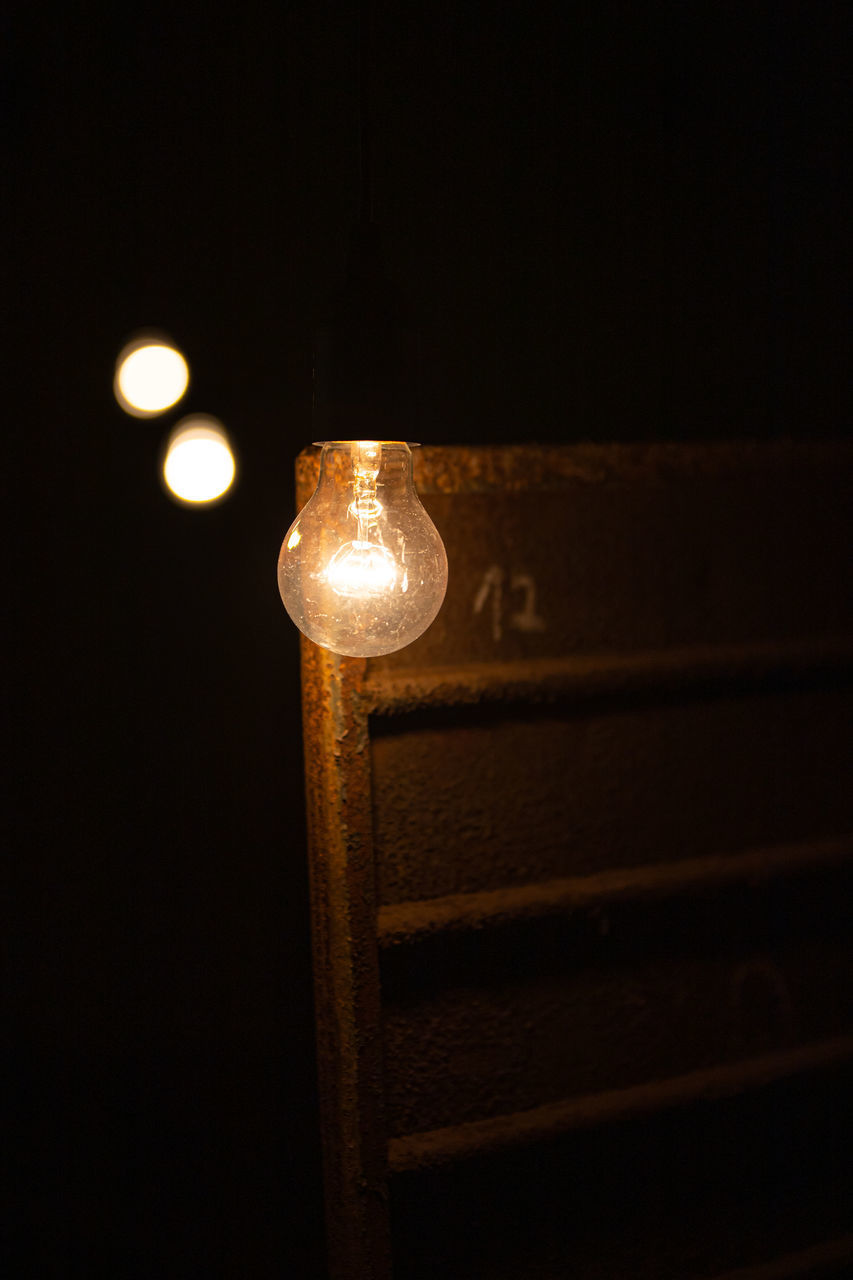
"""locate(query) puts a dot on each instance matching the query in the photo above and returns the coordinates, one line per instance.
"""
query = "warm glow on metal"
(151, 376)
(199, 466)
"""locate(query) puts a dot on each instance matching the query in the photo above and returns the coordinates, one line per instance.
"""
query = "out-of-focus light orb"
(151, 375)
(199, 465)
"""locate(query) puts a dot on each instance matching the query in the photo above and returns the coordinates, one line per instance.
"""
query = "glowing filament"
(361, 569)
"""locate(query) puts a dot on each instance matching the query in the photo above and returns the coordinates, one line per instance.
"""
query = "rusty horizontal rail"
(407, 922)
(540, 468)
(804, 1262)
(449, 1145)
(600, 675)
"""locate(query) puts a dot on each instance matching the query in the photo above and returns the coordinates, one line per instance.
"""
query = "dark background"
(610, 221)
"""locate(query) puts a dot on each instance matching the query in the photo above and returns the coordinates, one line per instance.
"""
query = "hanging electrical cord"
(365, 121)
(365, 353)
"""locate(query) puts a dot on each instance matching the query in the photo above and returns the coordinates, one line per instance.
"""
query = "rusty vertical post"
(346, 975)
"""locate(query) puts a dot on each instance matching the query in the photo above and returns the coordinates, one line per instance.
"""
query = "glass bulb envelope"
(362, 569)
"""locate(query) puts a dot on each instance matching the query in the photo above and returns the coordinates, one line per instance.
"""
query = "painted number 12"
(494, 586)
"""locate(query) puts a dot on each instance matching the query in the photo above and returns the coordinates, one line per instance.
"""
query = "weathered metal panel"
(744, 1172)
(529, 1015)
(600, 549)
(464, 803)
(580, 865)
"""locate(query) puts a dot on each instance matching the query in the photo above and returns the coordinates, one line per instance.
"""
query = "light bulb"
(362, 570)
(199, 465)
(151, 375)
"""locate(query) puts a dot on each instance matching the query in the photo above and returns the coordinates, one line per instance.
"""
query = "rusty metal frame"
(350, 930)
(346, 967)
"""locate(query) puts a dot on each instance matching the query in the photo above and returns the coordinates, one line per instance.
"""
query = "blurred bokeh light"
(151, 375)
(199, 466)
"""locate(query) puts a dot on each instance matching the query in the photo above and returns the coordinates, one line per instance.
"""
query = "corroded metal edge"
(437, 1147)
(346, 970)
(515, 468)
(411, 922)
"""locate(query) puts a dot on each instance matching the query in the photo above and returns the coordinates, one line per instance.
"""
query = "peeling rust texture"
(581, 866)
